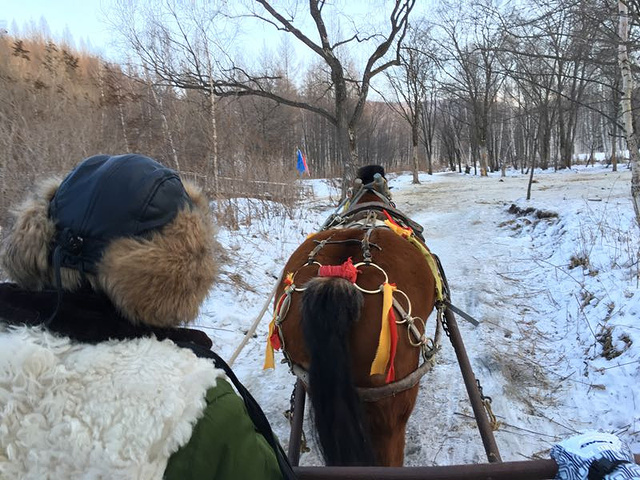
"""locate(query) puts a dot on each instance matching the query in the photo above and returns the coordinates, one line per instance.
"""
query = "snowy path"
(503, 278)
(512, 274)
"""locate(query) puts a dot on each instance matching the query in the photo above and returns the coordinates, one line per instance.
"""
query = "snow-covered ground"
(558, 348)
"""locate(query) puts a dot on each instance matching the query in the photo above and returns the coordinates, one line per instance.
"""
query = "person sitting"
(98, 379)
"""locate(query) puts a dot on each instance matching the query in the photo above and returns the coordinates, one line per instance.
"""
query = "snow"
(550, 294)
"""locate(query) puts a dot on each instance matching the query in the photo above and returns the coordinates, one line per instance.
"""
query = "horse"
(368, 265)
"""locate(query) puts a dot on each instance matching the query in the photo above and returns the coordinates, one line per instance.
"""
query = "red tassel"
(393, 330)
(347, 270)
(275, 339)
(389, 217)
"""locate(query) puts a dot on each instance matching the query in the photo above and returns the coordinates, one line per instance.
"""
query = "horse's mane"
(367, 172)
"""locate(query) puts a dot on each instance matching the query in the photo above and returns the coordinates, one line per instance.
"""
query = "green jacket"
(224, 445)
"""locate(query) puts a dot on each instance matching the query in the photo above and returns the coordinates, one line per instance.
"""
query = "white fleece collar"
(115, 411)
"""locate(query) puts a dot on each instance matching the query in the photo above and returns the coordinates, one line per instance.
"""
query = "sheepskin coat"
(64, 414)
(94, 397)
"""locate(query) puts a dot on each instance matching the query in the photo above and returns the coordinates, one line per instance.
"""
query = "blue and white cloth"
(594, 456)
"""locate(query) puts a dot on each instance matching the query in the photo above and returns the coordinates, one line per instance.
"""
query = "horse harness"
(368, 216)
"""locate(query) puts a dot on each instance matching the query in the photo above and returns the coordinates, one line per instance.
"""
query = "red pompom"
(347, 270)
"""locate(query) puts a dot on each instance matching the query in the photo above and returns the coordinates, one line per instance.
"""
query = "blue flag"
(301, 165)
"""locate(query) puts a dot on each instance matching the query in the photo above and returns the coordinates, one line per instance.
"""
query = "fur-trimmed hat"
(128, 226)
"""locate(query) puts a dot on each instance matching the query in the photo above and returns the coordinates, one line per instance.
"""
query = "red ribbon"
(274, 339)
(393, 331)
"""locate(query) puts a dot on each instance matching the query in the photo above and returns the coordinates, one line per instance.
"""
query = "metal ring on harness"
(302, 289)
(409, 321)
(423, 338)
(371, 264)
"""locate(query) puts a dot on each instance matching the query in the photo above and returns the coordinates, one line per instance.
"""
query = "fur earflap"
(26, 248)
(159, 280)
(162, 280)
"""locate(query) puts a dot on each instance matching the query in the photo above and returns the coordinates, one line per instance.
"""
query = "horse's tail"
(330, 306)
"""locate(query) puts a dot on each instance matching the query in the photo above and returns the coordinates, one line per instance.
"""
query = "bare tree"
(159, 103)
(451, 130)
(171, 51)
(470, 40)
(428, 120)
(413, 98)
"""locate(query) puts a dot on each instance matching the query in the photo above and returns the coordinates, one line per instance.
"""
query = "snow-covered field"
(558, 348)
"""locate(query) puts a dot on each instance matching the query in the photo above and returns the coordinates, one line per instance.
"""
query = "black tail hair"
(330, 306)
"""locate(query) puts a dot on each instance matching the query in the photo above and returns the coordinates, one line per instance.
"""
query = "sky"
(541, 312)
(83, 19)
(88, 23)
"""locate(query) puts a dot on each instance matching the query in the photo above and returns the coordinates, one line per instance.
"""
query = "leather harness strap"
(379, 207)
(373, 394)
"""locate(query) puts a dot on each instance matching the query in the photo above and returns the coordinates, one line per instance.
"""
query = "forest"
(471, 87)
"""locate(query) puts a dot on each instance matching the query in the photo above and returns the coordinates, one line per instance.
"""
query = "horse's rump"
(404, 265)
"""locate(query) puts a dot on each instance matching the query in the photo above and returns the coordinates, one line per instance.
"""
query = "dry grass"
(525, 380)
(609, 349)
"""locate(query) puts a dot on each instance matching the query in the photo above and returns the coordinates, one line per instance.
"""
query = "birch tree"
(627, 106)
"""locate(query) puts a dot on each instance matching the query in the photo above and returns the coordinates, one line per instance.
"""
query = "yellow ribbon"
(432, 265)
(379, 365)
(406, 233)
(269, 361)
(403, 232)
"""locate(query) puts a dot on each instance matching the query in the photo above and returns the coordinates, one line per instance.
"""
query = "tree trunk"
(627, 111)
(165, 125)
(614, 144)
(347, 155)
(498, 152)
(484, 160)
(562, 129)
(481, 151)
(212, 158)
(533, 167)
(614, 127)
(345, 133)
(544, 138)
(415, 139)
(123, 122)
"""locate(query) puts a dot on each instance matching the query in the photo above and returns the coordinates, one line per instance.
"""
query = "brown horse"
(331, 327)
